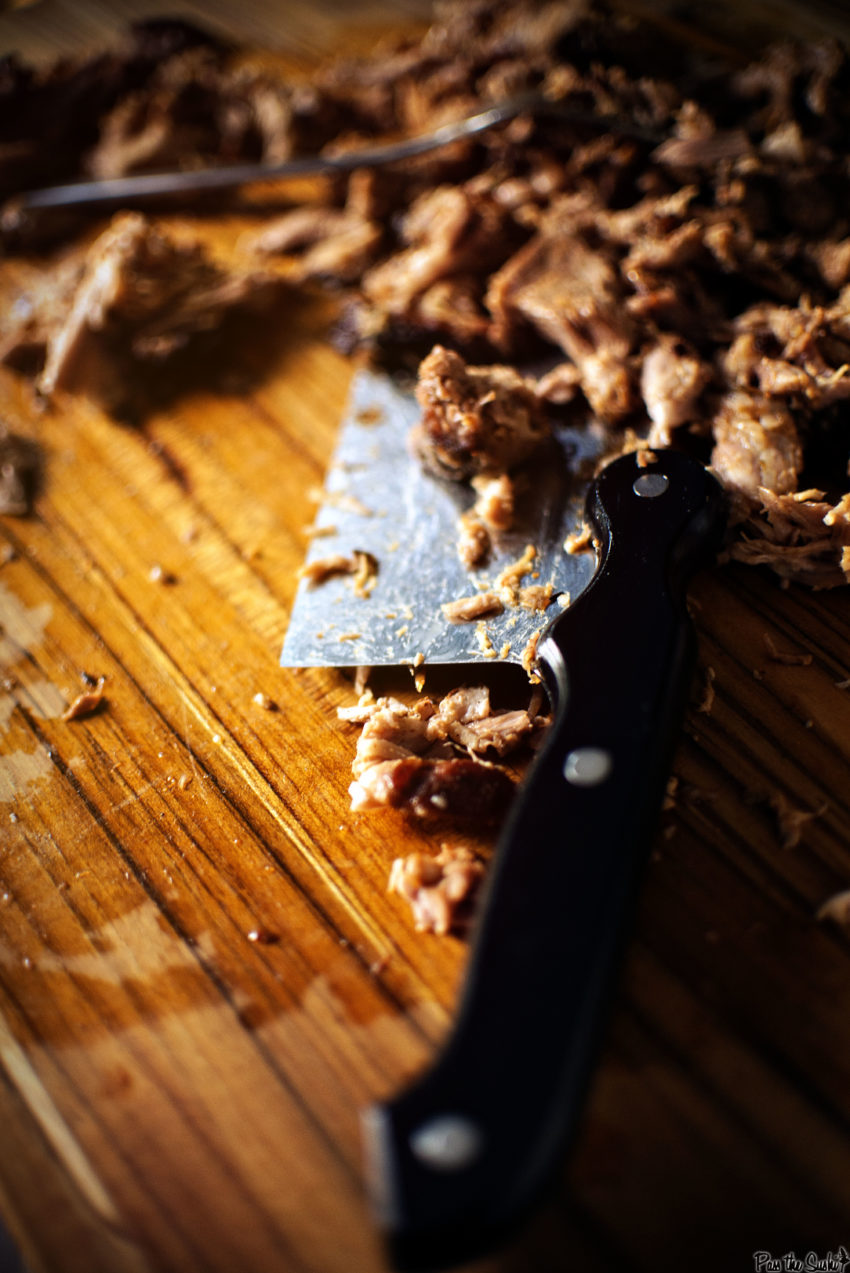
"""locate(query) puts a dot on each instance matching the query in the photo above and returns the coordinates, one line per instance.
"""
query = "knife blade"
(457, 1160)
(378, 500)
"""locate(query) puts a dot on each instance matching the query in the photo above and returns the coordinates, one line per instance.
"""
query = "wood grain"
(179, 1096)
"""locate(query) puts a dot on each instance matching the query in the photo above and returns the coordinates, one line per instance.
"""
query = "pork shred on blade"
(477, 423)
(475, 420)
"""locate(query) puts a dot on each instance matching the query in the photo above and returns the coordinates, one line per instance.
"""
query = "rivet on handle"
(447, 1142)
(587, 766)
(650, 485)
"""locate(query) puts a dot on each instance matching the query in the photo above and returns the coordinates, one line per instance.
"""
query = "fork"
(118, 189)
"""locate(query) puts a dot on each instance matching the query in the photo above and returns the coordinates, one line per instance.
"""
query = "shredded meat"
(325, 243)
(137, 297)
(501, 733)
(440, 889)
(361, 565)
(790, 819)
(477, 423)
(326, 567)
(571, 294)
(799, 354)
(836, 908)
(427, 788)
(494, 500)
(85, 704)
(683, 251)
(51, 116)
(800, 535)
(536, 596)
(672, 379)
(510, 579)
(468, 609)
(39, 309)
(474, 419)
(424, 758)
(184, 113)
(473, 543)
(559, 385)
(447, 231)
(492, 512)
(756, 446)
(789, 658)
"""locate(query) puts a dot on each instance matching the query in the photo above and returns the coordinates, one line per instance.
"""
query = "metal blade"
(187, 181)
(378, 500)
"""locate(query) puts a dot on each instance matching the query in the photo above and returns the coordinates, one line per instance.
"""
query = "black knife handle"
(460, 1156)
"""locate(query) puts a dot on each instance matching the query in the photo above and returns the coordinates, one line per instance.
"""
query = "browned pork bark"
(135, 298)
(475, 420)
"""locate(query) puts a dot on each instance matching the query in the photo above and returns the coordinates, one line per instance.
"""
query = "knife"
(186, 181)
(457, 1161)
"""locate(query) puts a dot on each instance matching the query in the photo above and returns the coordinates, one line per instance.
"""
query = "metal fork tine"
(120, 189)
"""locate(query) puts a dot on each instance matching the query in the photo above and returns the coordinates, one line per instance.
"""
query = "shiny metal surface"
(378, 500)
(116, 190)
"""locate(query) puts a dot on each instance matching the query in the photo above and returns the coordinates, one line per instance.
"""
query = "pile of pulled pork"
(678, 246)
(682, 258)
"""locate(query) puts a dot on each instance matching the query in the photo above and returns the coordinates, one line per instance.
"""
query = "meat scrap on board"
(435, 757)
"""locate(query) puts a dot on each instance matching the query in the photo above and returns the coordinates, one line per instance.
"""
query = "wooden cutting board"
(202, 976)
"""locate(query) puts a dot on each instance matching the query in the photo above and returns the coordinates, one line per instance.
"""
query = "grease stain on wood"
(20, 771)
(22, 627)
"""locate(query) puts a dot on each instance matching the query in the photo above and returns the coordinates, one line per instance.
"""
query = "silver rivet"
(447, 1142)
(587, 766)
(650, 485)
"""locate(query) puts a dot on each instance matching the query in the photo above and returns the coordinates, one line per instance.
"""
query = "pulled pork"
(133, 298)
(435, 759)
(475, 420)
(440, 889)
(691, 269)
(675, 242)
(52, 117)
(477, 423)
(169, 95)
(430, 758)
